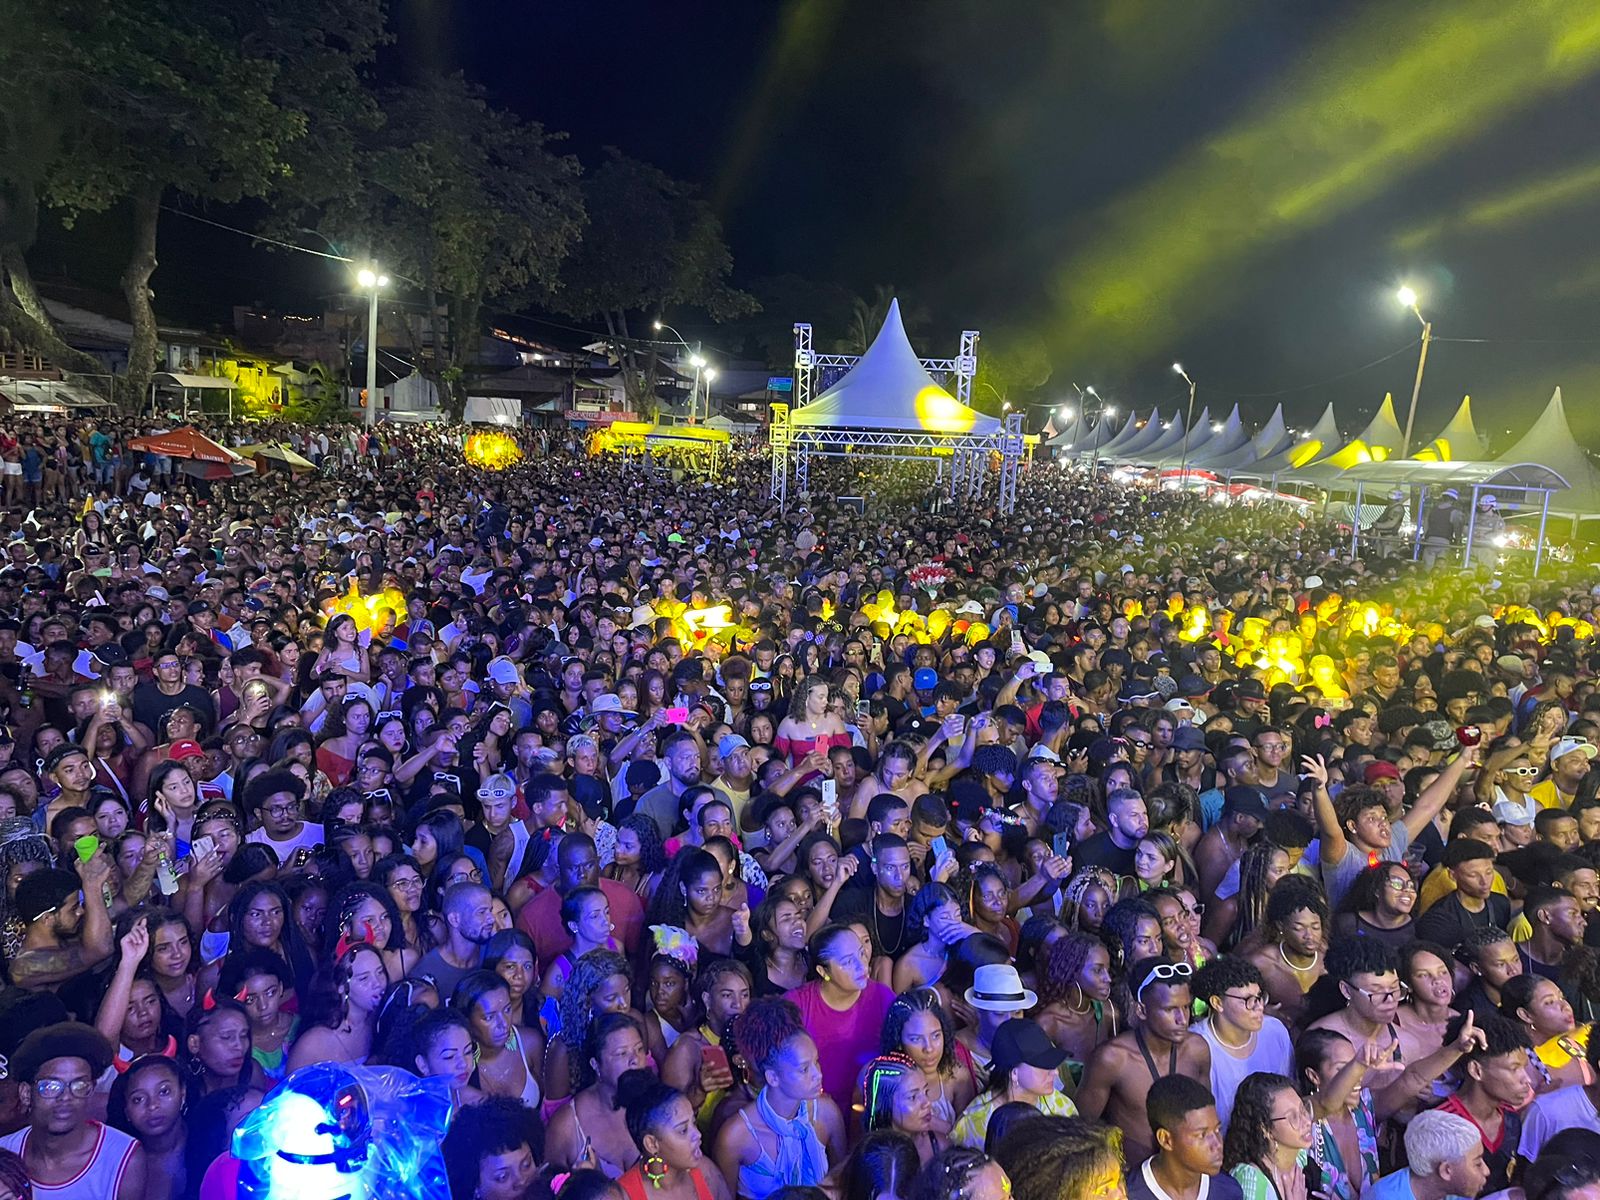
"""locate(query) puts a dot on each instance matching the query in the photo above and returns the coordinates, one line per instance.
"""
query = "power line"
(1411, 345)
(259, 237)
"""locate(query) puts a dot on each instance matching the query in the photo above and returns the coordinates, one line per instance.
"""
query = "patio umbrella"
(278, 454)
(199, 454)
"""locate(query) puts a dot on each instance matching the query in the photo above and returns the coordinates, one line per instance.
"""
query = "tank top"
(103, 1174)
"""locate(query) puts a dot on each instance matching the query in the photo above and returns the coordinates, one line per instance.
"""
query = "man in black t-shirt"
(1474, 904)
(1127, 822)
(882, 906)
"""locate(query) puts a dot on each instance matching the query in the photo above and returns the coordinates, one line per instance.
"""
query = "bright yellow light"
(1407, 297)
(368, 612)
(491, 451)
(940, 412)
(366, 278)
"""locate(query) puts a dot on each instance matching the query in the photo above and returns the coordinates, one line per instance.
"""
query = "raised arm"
(1334, 844)
(1437, 794)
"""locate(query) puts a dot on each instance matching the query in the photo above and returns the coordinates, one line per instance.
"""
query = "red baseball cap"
(183, 750)
(1379, 770)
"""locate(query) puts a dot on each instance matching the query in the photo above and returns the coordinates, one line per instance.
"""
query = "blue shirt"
(1395, 1186)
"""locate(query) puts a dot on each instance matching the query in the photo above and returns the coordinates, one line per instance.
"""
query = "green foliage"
(462, 198)
(652, 244)
(1009, 368)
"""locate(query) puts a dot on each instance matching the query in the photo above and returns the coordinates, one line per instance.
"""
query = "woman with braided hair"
(788, 1136)
(1232, 919)
(1086, 898)
(599, 983)
(960, 1173)
(918, 1027)
(14, 1181)
(894, 1092)
(1075, 1006)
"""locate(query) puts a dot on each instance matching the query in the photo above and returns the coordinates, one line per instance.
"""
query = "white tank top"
(101, 1177)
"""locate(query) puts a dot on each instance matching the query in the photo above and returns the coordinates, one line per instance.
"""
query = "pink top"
(846, 1041)
(794, 749)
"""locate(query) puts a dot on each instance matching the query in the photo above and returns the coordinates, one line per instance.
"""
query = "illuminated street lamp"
(696, 360)
(1408, 299)
(1188, 425)
(373, 280)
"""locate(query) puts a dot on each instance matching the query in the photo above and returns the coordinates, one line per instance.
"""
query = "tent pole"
(1416, 537)
(1355, 523)
(1472, 524)
(1538, 549)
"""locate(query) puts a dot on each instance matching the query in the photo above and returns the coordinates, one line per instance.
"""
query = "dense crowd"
(1124, 845)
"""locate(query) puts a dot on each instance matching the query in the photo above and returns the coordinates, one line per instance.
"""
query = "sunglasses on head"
(1163, 973)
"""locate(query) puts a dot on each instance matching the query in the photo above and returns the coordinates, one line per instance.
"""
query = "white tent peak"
(1459, 441)
(1549, 442)
(889, 388)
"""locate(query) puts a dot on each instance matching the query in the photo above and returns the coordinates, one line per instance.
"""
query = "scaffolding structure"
(971, 456)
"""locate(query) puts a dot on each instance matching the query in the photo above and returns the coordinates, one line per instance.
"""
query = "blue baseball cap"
(925, 680)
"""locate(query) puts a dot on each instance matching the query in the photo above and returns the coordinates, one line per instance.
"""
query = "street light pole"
(1188, 425)
(1408, 298)
(372, 281)
(697, 360)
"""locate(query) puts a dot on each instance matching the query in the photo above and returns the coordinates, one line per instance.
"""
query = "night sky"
(1239, 185)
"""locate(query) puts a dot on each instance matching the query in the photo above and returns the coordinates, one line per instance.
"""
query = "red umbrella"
(189, 443)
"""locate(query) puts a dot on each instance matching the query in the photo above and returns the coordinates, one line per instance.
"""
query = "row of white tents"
(1546, 458)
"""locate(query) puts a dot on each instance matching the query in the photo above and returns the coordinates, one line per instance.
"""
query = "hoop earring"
(655, 1169)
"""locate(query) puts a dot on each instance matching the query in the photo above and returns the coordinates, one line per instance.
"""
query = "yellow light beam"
(1372, 105)
(1531, 198)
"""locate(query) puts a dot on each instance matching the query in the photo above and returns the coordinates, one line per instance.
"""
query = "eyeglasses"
(1524, 772)
(1197, 909)
(1396, 993)
(1162, 973)
(282, 810)
(1300, 1116)
(1255, 1001)
(1398, 883)
(49, 1089)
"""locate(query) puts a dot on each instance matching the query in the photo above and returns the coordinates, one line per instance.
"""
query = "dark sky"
(1238, 184)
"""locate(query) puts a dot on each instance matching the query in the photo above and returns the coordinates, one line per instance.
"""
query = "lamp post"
(1408, 298)
(372, 280)
(1188, 425)
(696, 360)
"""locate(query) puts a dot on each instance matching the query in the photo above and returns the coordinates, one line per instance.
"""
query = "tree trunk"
(25, 319)
(136, 291)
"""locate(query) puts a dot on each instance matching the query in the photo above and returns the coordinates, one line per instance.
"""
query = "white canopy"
(1184, 449)
(1134, 447)
(1232, 441)
(1169, 434)
(1130, 431)
(1551, 444)
(1458, 441)
(1321, 436)
(1378, 442)
(888, 388)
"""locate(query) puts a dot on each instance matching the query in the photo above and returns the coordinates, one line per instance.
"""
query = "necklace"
(1311, 966)
(1217, 1033)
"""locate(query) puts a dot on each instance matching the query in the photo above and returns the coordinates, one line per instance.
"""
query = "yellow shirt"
(1440, 883)
(973, 1127)
(1548, 796)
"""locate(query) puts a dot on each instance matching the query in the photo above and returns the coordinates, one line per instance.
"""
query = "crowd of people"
(698, 849)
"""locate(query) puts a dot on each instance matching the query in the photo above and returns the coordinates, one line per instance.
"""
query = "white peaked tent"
(1176, 450)
(1134, 448)
(1234, 440)
(1378, 442)
(1273, 439)
(889, 388)
(1080, 437)
(1132, 431)
(1550, 444)
(887, 405)
(1168, 435)
(1458, 441)
(1323, 434)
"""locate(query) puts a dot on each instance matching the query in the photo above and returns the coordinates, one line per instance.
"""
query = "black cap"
(1250, 689)
(1019, 1041)
(1191, 686)
(110, 655)
(1244, 802)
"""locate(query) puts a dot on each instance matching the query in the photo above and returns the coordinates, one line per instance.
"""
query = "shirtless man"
(1288, 947)
(1158, 1043)
(896, 774)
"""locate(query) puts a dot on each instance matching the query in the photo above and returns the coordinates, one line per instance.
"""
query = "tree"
(652, 245)
(867, 315)
(468, 200)
(1009, 369)
(151, 99)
